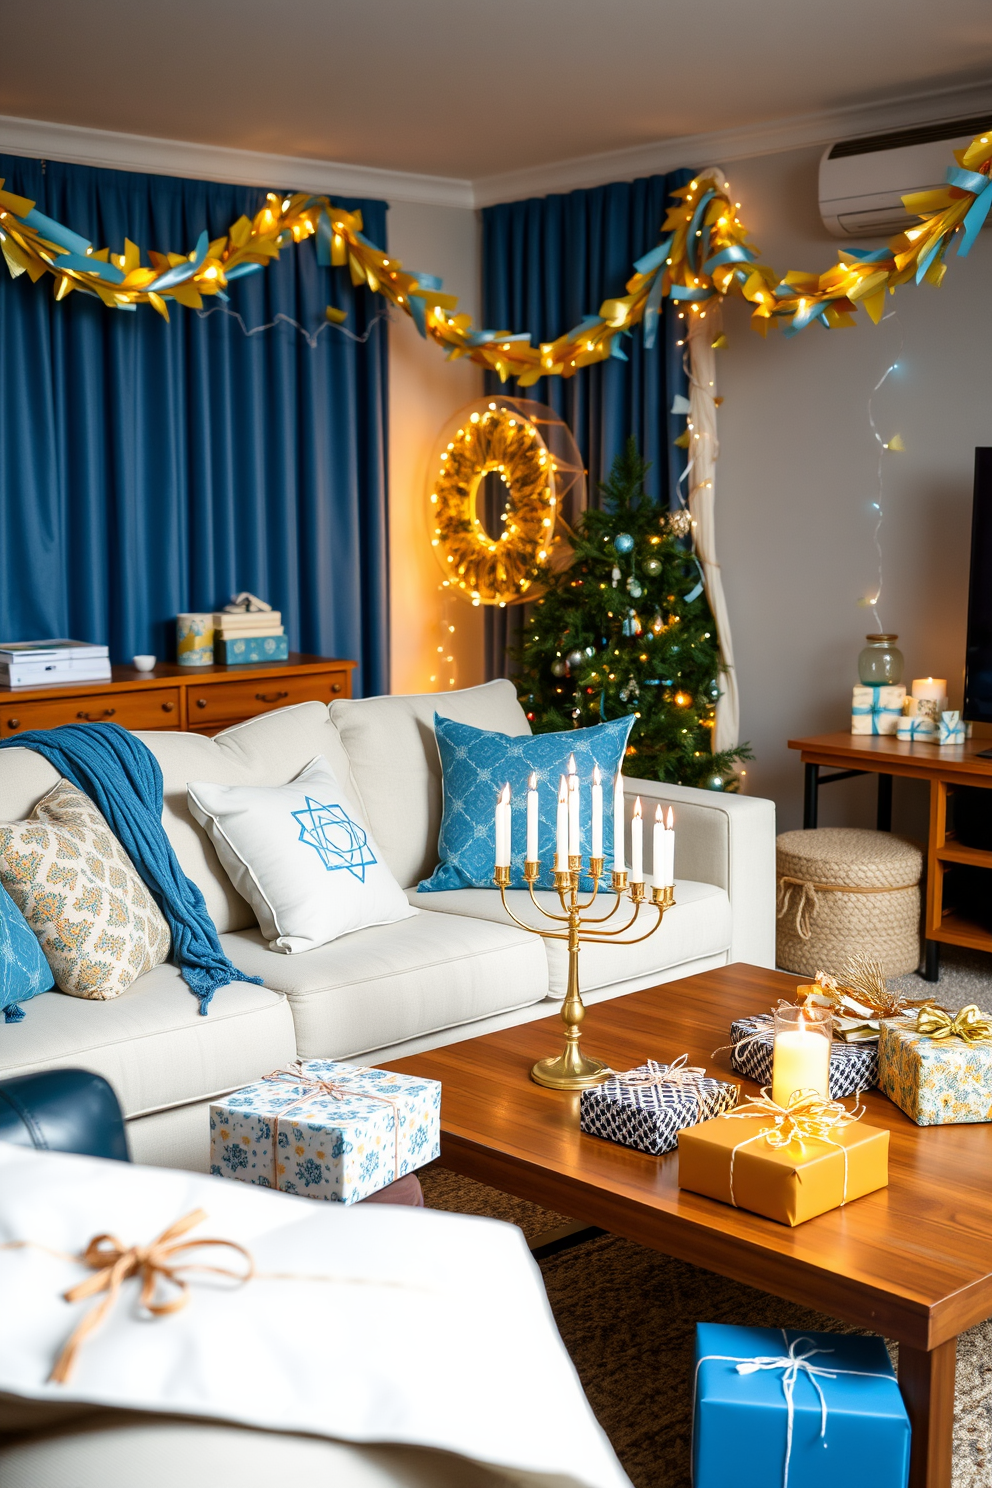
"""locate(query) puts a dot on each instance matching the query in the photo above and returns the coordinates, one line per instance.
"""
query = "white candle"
(800, 1061)
(532, 808)
(618, 858)
(596, 850)
(574, 843)
(503, 828)
(659, 834)
(637, 845)
(670, 850)
(561, 835)
(932, 688)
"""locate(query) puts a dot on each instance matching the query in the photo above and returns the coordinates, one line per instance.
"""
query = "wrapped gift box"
(336, 1131)
(242, 652)
(742, 1416)
(917, 726)
(877, 710)
(650, 1113)
(729, 1159)
(937, 1082)
(853, 1067)
(951, 729)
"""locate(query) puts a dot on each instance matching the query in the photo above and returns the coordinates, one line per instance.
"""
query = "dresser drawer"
(150, 709)
(227, 702)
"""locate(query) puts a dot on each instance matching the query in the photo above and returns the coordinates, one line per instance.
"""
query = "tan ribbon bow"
(679, 1073)
(158, 1262)
(338, 1089)
(968, 1024)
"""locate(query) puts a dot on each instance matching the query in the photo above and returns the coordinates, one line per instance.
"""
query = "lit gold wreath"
(505, 569)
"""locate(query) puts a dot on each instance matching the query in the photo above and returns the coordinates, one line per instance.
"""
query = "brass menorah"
(571, 1069)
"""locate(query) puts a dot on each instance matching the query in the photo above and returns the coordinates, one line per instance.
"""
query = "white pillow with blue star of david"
(300, 856)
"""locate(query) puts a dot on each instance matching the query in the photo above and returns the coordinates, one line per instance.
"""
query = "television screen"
(978, 662)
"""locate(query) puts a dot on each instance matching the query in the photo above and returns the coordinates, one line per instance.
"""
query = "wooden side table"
(944, 768)
(201, 699)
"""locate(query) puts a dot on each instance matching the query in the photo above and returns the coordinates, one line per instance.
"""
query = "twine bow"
(792, 1363)
(114, 1263)
(679, 1073)
(337, 1089)
(809, 1117)
(969, 1024)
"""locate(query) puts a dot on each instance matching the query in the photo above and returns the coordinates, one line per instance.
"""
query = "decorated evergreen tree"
(626, 628)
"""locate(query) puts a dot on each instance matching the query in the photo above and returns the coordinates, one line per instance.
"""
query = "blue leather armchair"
(64, 1110)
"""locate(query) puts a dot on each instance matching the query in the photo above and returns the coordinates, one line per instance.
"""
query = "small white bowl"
(143, 663)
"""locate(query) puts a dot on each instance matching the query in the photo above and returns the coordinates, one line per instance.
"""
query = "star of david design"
(338, 841)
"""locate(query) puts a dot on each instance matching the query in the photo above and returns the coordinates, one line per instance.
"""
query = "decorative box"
(646, 1110)
(252, 649)
(936, 1081)
(877, 710)
(917, 726)
(195, 639)
(853, 1067)
(753, 1430)
(326, 1130)
(732, 1159)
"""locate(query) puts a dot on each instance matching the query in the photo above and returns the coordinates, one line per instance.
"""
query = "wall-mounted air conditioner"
(863, 181)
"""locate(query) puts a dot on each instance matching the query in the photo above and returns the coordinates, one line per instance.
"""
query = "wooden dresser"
(203, 699)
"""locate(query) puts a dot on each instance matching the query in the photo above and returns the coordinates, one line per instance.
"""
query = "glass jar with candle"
(801, 1054)
(880, 663)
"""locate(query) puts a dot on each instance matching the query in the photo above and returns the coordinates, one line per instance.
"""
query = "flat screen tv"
(978, 661)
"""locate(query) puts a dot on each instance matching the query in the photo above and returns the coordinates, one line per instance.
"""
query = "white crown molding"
(162, 157)
(697, 150)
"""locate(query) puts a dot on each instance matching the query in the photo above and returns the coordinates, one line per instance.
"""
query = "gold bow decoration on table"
(970, 1024)
(703, 257)
(808, 1117)
(860, 998)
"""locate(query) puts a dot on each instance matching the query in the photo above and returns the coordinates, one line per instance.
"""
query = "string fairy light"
(894, 444)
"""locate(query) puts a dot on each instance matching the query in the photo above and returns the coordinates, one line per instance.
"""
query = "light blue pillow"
(24, 972)
(476, 764)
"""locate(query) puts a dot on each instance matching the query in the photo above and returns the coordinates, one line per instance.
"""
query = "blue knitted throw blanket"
(124, 780)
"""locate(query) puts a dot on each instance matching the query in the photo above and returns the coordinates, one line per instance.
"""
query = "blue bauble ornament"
(623, 542)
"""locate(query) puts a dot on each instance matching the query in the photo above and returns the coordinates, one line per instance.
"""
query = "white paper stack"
(246, 624)
(41, 663)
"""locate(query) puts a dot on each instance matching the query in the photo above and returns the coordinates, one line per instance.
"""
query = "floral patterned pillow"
(77, 888)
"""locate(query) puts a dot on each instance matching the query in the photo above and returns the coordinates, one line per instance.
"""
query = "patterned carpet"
(627, 1317)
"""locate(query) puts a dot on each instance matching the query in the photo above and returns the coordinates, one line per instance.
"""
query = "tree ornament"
(615, 576)
(652, 566)
(623, 542)
(680, 522)
(558, 667)
(633, 588)
(575, 658)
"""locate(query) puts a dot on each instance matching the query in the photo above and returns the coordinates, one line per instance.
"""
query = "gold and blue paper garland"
(704, 254)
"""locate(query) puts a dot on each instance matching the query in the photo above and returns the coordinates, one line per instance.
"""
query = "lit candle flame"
(670, 823)
(596, 777)
(562, 791)
(504, 796)
(637, 807)
(532, 782)
(571, 764)
(658, 816)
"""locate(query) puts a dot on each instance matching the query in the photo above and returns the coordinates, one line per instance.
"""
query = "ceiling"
(473, 88)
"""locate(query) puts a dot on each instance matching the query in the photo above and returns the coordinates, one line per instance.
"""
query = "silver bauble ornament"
(558, 667)
(652, 566)
(575, 658)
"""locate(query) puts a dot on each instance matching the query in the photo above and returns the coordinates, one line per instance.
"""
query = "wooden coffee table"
(913, 1261)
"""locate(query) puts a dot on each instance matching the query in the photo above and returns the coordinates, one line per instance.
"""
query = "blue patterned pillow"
(476, 764)
(24, 972)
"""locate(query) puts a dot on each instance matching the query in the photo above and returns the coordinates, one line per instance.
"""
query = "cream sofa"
(455, 970)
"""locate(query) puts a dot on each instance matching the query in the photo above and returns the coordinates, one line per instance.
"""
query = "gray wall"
(797, 474)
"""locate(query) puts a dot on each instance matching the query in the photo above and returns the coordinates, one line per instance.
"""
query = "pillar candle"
(596, 849)
(934, 688)
(532, 809)
(618, 858)
(574, 841)
(561, 835)
(503, 828)
(800, 1061)
(637, 845)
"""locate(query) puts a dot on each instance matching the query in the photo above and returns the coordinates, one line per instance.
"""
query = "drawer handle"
(89, 717)
(270, 697)
(335, 686)
(13, 723)
(201, 702)
(167, 707)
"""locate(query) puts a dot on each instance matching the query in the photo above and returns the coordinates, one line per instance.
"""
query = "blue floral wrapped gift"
(775, 1407)
(647, 1107)
(326, 1130)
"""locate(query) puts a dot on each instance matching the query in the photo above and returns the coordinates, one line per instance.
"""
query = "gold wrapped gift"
(787, 1164)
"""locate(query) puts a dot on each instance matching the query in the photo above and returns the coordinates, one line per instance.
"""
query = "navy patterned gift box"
(647, 1107)
(853, 1067)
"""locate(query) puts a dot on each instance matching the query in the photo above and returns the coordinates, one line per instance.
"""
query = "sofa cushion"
(263, 751)
(698, 925)
(379, 987)
(395, 769)
(152, 1043)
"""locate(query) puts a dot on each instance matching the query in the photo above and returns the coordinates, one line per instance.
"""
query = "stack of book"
(244, 636)
(37, 663)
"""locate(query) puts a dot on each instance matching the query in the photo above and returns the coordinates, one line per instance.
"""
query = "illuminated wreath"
(521, 441)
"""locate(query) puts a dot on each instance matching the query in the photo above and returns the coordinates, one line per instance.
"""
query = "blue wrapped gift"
(952, 730)
(805, 1410)
(252, 650)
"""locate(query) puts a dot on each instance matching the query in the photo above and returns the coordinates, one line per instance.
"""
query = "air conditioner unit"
(863, 181)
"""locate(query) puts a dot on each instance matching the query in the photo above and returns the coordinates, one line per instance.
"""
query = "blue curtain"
(548, 262)
(149, 468)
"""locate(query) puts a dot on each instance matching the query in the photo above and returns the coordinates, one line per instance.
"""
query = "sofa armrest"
(727, 840)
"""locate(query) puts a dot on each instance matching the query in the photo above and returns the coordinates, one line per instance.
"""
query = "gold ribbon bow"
(968, 1024)
(809, 1117)
(156, 1263)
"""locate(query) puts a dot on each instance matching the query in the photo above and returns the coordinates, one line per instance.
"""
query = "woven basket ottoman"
(844, 892)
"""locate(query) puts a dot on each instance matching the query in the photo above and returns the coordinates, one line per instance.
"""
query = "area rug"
(627, 1316)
